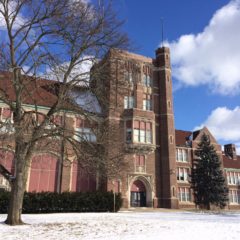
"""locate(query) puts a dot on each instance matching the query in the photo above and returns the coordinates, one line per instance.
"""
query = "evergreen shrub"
(51, 202)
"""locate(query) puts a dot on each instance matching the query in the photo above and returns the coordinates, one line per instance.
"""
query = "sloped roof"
(34, 91)
(43, 92)
(230, 163)
(130, 55)
(181, 137)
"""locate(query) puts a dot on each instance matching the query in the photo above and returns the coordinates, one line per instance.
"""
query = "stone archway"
(140, 193)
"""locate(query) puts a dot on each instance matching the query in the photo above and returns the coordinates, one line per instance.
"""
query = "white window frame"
(184, 194)
(128, 76)
(182, 174)
(85, 134)
(147, 104)
(234, 196)
(129, 102)
(182, 155)
(147, 80)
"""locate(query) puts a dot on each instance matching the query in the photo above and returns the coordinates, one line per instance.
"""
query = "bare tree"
(58, 39)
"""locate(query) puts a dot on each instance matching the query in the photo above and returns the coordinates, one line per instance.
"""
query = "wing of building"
(138, 112)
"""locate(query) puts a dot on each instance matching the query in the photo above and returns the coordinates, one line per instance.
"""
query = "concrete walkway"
(149, 209)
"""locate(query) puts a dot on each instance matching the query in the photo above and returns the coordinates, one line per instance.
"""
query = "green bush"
(50, 202)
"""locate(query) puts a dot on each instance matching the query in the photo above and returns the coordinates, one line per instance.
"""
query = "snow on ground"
(125, 225)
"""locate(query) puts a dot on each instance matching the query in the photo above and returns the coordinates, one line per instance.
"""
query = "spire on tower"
(162, 32)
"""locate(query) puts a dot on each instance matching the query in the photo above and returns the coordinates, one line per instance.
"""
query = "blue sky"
(204, 39)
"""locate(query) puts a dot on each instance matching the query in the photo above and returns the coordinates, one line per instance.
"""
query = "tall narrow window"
(128, 76)
(148, 132)
(140, 163)
(129, 131)
(136, 131)
(147, 80)
(147, 102)
(142, 132)
(128, 102)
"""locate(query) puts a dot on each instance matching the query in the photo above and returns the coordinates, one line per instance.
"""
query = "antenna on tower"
(162, 31)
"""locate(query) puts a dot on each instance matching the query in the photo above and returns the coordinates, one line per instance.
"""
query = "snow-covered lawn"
(125, 225)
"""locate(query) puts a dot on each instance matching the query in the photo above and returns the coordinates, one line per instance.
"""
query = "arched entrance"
(138, 194)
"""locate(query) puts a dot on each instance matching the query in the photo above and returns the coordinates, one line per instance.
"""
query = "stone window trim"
(139, 131)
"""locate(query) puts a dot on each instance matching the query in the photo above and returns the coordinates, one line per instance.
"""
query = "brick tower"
(166, 183)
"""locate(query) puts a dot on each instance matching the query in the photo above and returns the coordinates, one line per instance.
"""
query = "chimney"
(230, 150)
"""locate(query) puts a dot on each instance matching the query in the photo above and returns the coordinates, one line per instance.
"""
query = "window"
(128, 102)
(233, 178)
(129, 135)
(142, 132)
(83, 132)
(181, 155)
(182, 174)
(147, 81)
(128, 77)
(5, 114)
(140, 163)
(234, 196)
(58, 120)
(128, 131)
(147, 102)
(184, 194)
(169, 104)
(4, 183)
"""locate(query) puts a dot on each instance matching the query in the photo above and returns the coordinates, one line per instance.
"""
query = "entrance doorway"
(138, 194)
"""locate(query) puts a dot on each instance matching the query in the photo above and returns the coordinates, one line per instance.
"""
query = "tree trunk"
(18, 186)
(16, 202)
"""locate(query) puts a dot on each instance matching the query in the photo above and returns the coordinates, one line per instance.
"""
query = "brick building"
(138, 110)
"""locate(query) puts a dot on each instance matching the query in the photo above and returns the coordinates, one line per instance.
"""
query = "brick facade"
(153, 160)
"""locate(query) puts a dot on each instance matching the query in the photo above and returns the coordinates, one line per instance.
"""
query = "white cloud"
(19, 21)
(80, 73)
(224, 124)
(238, 148)
(211, 57)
